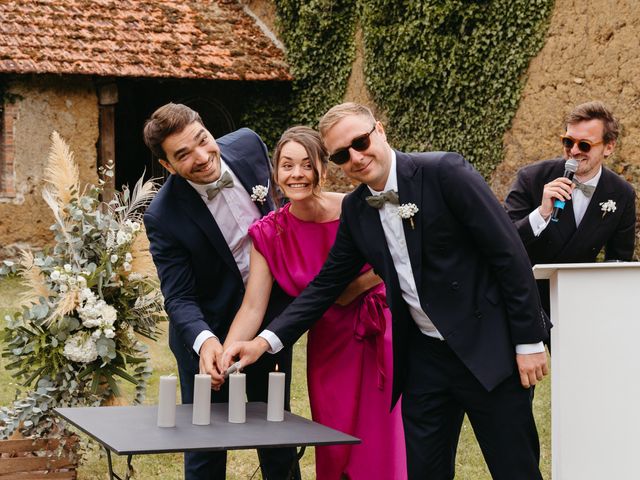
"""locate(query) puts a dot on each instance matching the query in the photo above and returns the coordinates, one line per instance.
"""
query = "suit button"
(478, 314)
(455, 286)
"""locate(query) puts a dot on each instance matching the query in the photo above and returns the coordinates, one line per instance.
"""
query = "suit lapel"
(592, 219)
(193, 206)
(410, 191)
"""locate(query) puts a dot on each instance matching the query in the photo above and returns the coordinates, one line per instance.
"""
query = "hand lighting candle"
(275, 405)
(202, 399)
(237, 398)
(167, 401)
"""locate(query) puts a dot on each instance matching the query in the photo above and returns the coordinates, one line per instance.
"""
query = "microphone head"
(571, 165)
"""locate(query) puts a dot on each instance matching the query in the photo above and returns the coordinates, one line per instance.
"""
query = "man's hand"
(558, 189)
(532, 368)
(248, 352)
(210, 358)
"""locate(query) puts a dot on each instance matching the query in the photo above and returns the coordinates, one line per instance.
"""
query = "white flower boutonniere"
(259, 193)
(407, 211)
(608, 206)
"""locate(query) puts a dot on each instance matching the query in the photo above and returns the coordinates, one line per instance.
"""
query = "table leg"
(112, 474)
(296, 463)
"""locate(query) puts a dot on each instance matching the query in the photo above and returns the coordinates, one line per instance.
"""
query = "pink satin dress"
(349, 355)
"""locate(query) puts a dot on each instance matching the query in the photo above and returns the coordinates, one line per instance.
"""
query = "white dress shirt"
(394, 234)
(580, 204)
(234, 212)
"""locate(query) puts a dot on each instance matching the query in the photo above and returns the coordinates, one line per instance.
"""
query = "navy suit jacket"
(471, 270)
(562, 242)
(199, 277)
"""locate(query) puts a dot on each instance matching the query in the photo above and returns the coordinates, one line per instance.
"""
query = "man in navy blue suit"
(468, 328)
(197, 228)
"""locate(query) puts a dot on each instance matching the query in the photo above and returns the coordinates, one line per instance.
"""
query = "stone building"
(95, 70)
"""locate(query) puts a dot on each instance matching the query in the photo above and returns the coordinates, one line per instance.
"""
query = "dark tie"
(378, 201)
(586, 189)
(225, 181)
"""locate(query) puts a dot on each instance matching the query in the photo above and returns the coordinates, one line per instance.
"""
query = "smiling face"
(588, 163)
(193, 154)
(295, 173)
(370, 166)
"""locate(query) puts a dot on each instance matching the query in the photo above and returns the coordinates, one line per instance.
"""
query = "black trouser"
(275, 463)
(439, 390)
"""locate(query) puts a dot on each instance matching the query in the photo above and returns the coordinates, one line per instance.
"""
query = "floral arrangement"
(88, 301)
(259, 193)
(608, 206)
(407, 211)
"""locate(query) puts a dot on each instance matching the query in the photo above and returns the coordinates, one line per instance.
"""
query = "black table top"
(133, 430)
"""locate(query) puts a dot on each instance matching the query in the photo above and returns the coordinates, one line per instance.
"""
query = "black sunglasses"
(583, 145)
(360, 144)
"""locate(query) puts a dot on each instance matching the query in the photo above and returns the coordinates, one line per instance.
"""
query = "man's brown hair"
(596, 111)
(165, 121)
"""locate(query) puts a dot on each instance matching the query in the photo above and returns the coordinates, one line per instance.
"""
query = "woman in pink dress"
(349, 357)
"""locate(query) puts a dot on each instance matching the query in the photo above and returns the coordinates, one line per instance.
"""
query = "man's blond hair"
(337, 113)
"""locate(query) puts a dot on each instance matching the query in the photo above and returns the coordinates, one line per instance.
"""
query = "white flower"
(82, 282)
(113, 258)
(128, 257)
(80, 348)
(126, 266)
(67, 267)
(407, 211)
(259, 193)
(55, 275)
(63, 288)
(121, 237)
(109, 333)
(608, 206)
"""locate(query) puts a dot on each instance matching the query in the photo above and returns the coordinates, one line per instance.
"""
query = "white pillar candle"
(275, 404)
(202, 399)
(167, 401)
(237, 398)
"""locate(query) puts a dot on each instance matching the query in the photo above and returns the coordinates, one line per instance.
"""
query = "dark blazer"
(200, 280)
(562, 242)
(471, 271)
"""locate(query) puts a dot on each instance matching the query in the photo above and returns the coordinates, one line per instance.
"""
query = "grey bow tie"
(225, 181)
(378, 201)
(586, 189)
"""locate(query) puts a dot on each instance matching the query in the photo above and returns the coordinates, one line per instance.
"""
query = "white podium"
(595, 381)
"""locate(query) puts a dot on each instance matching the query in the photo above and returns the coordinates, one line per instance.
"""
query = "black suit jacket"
(562, 242)
(471, 271)
(199, 277)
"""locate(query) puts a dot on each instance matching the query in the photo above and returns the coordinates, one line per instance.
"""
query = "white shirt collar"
(595, 179)
(392, 179)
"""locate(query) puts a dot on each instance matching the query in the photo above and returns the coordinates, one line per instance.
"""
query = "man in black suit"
(197, 228)
(467, 322)
(601, 211)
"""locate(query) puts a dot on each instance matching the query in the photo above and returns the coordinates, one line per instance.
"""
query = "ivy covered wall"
(447, 74)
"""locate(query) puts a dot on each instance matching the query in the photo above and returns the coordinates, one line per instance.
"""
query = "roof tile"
(213, 39)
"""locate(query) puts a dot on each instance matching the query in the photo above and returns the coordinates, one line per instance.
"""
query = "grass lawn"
(242, 464)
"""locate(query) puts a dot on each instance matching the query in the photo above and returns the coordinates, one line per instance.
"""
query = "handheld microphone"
(570, 167)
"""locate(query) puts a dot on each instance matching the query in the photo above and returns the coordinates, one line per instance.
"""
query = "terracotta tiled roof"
(137, 38)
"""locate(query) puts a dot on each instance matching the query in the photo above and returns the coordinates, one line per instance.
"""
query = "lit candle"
(201, 399)
(167, 401)
(275, 404)
(237, 398)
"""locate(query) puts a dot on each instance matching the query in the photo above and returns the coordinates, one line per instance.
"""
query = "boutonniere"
(259, 193)
(407, 211)
(608, 206)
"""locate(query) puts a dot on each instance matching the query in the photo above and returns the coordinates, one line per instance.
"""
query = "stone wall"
(44, 104)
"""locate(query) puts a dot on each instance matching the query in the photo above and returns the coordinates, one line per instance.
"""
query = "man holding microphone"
(599, 206)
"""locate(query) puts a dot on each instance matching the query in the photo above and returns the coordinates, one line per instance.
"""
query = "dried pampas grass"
(61, 173)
